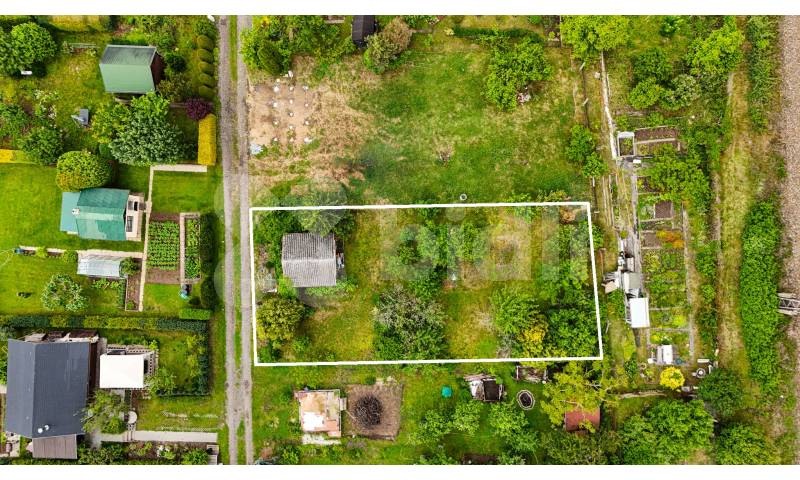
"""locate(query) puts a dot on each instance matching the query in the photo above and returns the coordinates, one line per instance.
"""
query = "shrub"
(206, 68)
(194, 314)
(717, 54)
(724, 392)
(670, 25)
(204, 42)
(206, 80)
(205, 56)
(386, 46)
(197, 108)
(277, 318)
(741, 444)
(109, 121)
(645, 94)
(652, 63)
(148, 137)
(407, 327)
(104, 413)
(582, 149)
(80, 170)
(671, 378)
(203, 26)
(195, 456)
(69, 256)
(260, 52)
(25, 46)
(685, 90)
(128, 266)
(761, 33)
(61, 292)
(176, 88)
(512, 67)
(206, 92)
(208, 294)
(758, 293)
(43, 144)
(175, 62)
(591, 34)
(207, 140)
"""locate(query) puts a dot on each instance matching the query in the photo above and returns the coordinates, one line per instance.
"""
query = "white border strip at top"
(585, 205)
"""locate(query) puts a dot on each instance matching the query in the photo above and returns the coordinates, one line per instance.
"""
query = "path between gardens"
(233, 401)
(160, 436)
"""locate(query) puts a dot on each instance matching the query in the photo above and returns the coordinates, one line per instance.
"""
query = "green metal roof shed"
(130, 68)
(98, 214)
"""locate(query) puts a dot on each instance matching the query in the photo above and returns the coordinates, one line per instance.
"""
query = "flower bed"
(163, 245)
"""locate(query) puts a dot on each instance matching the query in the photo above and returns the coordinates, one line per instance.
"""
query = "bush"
(591, 34)
(513, 67)
(175, 62)
(176, 88)
(582, 149)
(102, 322)
(652, 63)
(207, 141)
(206, 80)
(407, 327)
(194, 314)
(204, 42)
(206, 92)
(109, 121)
(758, 293)
(206, 67)
(197, 108)
(80, 170)
(671, 378)
(25, 46)
(723, 391)
(276, 320)
(717, 54)
(645, 94)
(69, 257)
(61, 292)
(208, 294)
(148, 137)
(128, 266)
(762, 65)
(386, 46)
(43, 144)
(205, 56)
(741, 444)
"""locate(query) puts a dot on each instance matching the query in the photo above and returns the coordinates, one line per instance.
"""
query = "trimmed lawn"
(163, 299)
(175, 192)
(20, 273)
(32, 205)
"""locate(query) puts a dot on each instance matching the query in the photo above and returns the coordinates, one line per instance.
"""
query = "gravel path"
(244, 22)
(789, 126)
(226, 133)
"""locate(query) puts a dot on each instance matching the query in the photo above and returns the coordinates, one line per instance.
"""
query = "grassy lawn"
(32, 204)
(434, 103)
(164, 299)
(175, 192)
(30, 274)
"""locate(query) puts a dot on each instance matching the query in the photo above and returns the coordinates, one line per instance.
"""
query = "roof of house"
(122, 371)
(47, 388)
(363, 26)
(64, 447)
(97, 214)
(320, 411)
(126, 68)
(309, 260)
(99, 265)
(576, 419)
(640, 312)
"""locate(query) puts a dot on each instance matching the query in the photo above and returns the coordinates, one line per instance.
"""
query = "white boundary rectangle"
(586, 205)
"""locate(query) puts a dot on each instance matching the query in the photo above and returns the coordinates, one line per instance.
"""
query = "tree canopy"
(277, 319)
(724, 392)
(576, 389)
(148, 137)
(407, 327)
(514, 66)
(24, 47)
(740, 444)
(717, 54)
(588, 35)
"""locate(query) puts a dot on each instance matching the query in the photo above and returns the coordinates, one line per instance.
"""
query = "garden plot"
(416, 284)
(163, 249)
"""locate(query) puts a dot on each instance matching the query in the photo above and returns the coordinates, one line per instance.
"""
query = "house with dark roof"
(102, 214)
(363, 26)
(131, 69)
(309, 260)
(48, 383)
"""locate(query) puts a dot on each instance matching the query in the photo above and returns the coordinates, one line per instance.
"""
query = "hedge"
(13, 156)
(207, 140)
(205, 56)
(204, 42)
(207, 80)
(77, 23)
(101, 322)
(205, 92)
(472, 32)
(194, 314)
(204, 66)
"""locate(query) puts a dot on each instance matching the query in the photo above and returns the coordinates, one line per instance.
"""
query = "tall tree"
(148, 138)
(577, 389)
(591, 34)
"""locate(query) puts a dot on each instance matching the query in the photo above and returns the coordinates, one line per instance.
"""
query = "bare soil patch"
(383, 423)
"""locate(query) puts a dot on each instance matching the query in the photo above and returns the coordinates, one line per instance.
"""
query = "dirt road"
(227, 117)
(789, 126)
(244, 22)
